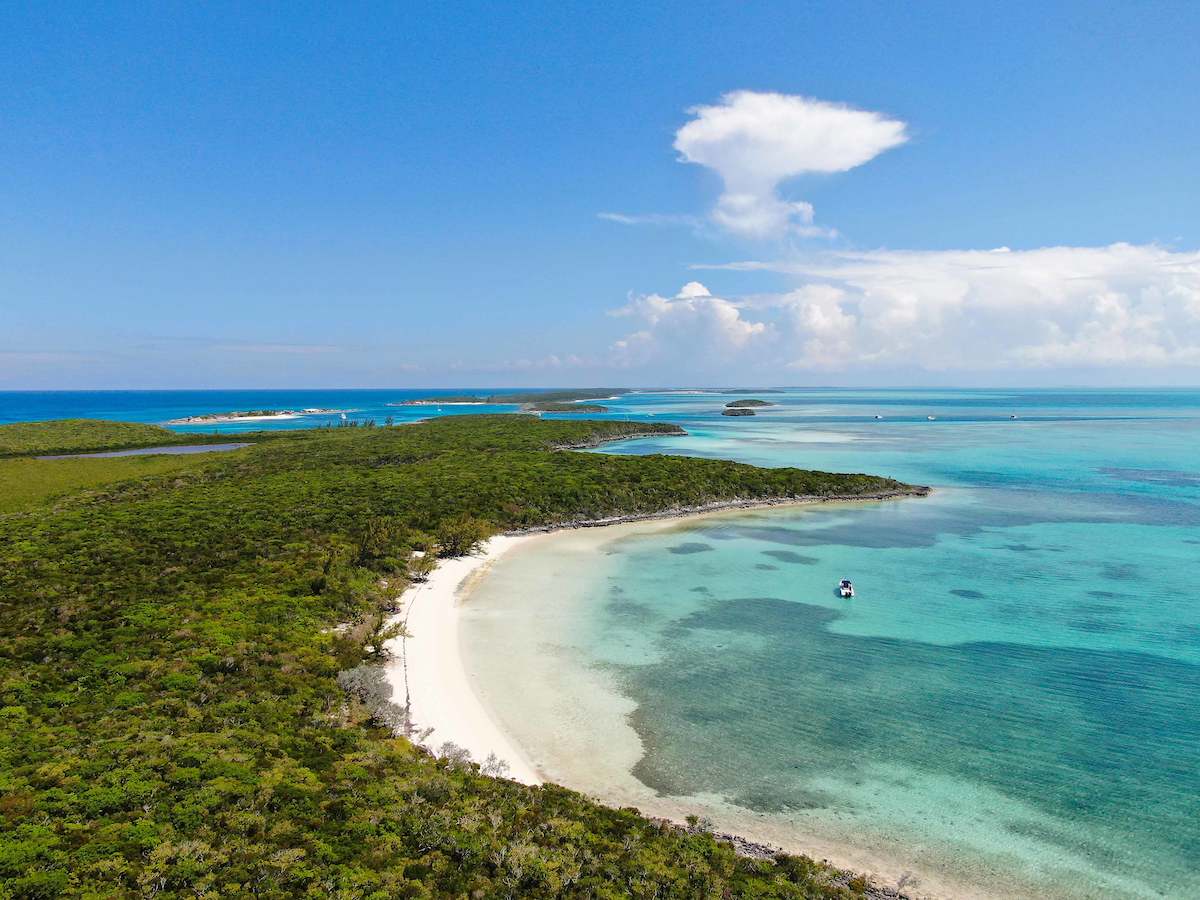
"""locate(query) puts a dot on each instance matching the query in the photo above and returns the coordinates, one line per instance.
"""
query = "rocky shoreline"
(769, 853)
(595, 441)
(678, 512)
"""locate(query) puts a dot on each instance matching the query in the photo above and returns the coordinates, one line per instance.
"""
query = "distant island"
(742, 404)
(538, 401)
(251, 414)
(598, 393)
(560, 407)
(737, 411)
(448, 400)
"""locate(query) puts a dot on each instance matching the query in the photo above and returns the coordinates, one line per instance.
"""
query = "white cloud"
(691, 325)
(755, 141)
(941, 311)
(651, 219)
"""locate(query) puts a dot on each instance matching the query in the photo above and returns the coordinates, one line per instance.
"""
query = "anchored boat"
(845, 588)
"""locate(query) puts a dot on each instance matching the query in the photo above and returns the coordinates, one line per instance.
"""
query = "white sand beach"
(426, 669)
(223, 420)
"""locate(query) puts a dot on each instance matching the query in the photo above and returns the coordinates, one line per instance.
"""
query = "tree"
(380, 633)
(461, 535)
(379, 543)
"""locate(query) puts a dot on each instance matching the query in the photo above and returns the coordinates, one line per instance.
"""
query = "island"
(251, 415)
(747, 404)
(535, 401)
(560, 396)
(448, 400)
(198, 701)
(557, 407)
(737, 411)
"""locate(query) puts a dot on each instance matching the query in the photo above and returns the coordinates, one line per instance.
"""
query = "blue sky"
(322, 195)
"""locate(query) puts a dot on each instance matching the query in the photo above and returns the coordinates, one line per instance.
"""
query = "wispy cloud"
(549, 363)
(46, 357)
(652, 219)
(292, 349)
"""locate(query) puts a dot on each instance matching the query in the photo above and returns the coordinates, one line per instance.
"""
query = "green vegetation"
(744, 404)
(737, 411)
(558, 407)
(247, 414)
(446, 398)
(27, 483)
(83, 436)
(179, 715)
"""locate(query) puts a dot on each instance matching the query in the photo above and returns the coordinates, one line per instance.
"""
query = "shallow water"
(1012, 699)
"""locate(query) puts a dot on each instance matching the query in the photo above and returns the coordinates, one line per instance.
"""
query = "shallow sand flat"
(573, 724)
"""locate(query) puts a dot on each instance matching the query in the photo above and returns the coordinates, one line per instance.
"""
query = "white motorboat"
(845, 588)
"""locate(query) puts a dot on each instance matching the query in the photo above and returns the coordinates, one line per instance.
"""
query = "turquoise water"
(1013, 698)
(160, 407)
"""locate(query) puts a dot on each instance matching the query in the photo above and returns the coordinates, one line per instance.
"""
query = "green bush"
(461, 535)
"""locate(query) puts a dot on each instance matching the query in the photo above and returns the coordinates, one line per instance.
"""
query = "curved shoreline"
(426, 669)
(428, 673)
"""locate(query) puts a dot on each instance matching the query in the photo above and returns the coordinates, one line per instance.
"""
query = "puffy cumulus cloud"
(981, 310)
(692, 324)
(755, 141)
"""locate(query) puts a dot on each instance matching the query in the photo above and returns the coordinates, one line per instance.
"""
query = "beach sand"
(426, 669)
(225, 420)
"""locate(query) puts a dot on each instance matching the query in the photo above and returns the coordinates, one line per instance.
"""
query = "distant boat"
(879, 417)
(1013, 416)
(931, 418)
(845, 588)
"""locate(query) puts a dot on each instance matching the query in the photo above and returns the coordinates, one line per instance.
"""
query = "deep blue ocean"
(1012, 700)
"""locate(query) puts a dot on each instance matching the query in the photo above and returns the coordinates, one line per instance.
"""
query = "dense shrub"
(171, 720)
